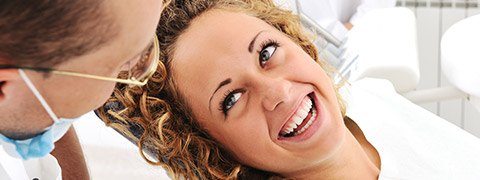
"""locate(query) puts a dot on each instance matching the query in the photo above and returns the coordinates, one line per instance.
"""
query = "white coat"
(333, 14)
(16, 169)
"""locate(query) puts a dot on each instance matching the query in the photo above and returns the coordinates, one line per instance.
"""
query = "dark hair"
(48, 32)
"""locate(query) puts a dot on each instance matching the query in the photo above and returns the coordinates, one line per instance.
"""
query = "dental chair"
(386, 43)
(460, 64)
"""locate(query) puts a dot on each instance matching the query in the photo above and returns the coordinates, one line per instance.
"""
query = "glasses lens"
(141, 70)
(144, 67)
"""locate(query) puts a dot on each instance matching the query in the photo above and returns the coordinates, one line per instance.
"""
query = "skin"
(70, 97)
(348, 25)
(69, 155)
(216, 47)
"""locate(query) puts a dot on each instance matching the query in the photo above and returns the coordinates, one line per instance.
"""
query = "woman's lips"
(299, 117)
(309, 124)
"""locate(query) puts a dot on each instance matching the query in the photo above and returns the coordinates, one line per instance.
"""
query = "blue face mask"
(41, 144)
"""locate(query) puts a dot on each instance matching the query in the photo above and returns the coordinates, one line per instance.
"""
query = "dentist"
(59, 60)
(339, 16)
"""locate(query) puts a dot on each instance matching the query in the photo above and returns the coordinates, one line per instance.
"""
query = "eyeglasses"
(137, 75)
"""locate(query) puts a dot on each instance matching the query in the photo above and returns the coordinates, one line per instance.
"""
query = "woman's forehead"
(216, 32)
(214, 40)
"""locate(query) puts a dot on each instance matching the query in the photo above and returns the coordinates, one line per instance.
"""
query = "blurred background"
(434, 17)
(110, 156)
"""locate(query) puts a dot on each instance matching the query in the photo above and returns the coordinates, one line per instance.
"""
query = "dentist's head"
(60, 59)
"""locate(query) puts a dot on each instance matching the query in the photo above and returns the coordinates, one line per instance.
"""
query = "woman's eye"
(267, 53)
(230, 101)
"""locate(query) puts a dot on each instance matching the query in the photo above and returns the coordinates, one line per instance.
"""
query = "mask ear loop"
(38, 95)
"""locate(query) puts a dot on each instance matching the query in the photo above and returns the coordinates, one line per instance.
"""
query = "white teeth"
(309, 102)
(289, 128)
(303, 112)
(298, 120)
(306, 108)
(292, 125)
(310, 121)
(299, 116)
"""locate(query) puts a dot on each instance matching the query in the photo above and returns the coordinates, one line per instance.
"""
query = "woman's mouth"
(301, 120)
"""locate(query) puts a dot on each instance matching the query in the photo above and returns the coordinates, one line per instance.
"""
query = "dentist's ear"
(7, 78)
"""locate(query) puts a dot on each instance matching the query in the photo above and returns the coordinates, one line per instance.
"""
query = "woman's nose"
(275, 92)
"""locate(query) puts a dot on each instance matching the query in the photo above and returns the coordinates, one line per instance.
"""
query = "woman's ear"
(7, 76)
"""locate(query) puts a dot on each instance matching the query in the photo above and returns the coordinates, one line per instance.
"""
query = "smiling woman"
(240, 93)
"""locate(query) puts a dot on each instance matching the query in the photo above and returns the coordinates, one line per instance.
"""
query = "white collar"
(13, 167)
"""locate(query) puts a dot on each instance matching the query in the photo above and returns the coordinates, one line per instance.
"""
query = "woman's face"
(250, 86)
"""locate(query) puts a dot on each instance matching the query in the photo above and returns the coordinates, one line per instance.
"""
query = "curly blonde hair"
(157, 117)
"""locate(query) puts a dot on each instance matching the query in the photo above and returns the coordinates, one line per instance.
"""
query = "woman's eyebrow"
(229, 80)
(252, 43)
(223, 83)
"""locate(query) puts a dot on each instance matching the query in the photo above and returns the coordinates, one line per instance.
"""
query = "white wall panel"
(434, 17)
(428, 23)
(451, 110)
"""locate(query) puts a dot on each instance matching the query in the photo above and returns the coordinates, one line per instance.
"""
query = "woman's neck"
(356, 159)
